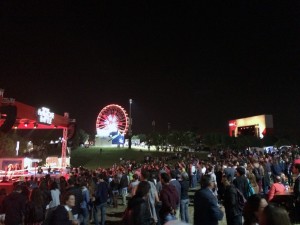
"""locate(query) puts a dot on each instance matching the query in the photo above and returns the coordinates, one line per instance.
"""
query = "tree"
(215, 140)
(269, 140)
(155, 139)
(188, 138)
(7, 145)
(79, 138)
(245, 141)
(174, 139)
(282, 141)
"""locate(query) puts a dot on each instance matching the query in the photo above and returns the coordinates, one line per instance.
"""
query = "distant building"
(257, 126)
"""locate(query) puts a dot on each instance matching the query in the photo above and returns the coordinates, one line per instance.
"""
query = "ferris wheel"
(111, 119)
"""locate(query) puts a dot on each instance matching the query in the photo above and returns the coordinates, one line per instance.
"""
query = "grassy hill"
(92, 157)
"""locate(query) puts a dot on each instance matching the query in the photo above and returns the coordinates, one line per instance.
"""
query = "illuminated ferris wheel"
(112, 119)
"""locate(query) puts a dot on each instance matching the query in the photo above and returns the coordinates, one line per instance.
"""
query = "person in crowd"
(276, 167)
(133, 184)
(258, 171)
(63, 184)
(253, 209)
(34, 211)
(241, 181)
(267, 175)
(43, 186)
(100, 200)
(55, 195)
(210, 170)
(206, 209)
(153, 195)
(158, 204)
(114, 190)
(252, 180)
(25, 191)
(2, 196)
(288, 171)
(219, 176)
(276, 188)
(184, 198)
(285, 181)
(274, 215)
(91, 185)
(177, 185)
(32, 182)
(169, 199)
(192, 174)
(85, 203)
(13, 206)
(229, 171)
(138, 205)
(76, 191)
(233, 212)
(123, 187)
(63, 215)
(296, 171)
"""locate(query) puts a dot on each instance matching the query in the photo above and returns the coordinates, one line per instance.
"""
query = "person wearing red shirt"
(276, 188)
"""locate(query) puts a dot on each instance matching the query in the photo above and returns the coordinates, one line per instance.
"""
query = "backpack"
(241, 200)
(250, 189)
(49, 216)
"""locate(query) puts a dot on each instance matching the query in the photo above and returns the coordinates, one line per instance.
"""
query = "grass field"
(92, 157)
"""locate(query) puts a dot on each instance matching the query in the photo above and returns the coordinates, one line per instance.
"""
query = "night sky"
(193, 64)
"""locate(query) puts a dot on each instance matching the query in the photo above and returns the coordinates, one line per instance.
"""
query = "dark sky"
(188, 63)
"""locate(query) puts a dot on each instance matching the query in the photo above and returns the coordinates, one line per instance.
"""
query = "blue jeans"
(169, 217)
(84, 216)
(184, 210)
(102, 208)
(194, 180)
(124, 194)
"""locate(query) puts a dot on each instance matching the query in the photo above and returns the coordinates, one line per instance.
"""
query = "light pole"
(130, 125)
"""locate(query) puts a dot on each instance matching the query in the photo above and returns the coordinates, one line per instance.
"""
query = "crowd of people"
(156, 191)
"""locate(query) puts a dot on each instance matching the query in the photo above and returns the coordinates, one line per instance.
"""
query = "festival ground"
(114, 215)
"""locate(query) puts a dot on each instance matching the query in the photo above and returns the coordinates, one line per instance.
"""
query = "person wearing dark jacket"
(124, 182)
(100, 200)
(241, 181)
(139, 206)
(13, 206)
(63, 215)
(34, 212)
(76, 191)
(177, 185)
(184, 198)
(233, 212)
(206, 209)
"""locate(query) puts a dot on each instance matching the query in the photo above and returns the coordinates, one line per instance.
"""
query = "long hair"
(250, 208)
(36, 196)
(143, 189)
(275, 215)
(53, 185)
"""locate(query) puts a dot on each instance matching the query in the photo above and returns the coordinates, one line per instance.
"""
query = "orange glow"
(261, 122)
